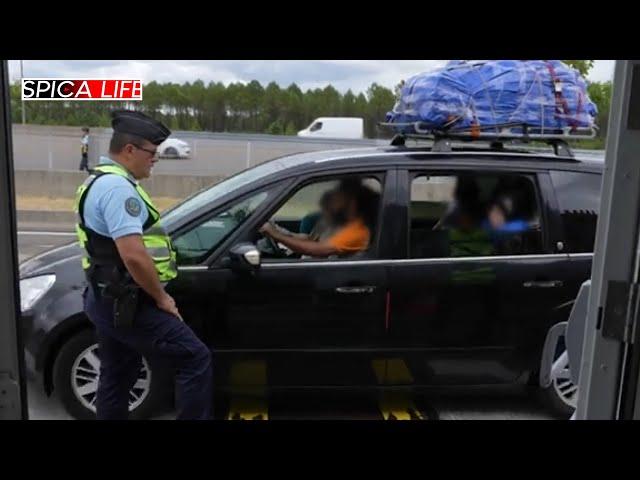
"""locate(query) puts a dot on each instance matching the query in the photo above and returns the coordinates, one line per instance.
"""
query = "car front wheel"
(562, 395)
(170, 152)
(76, 373)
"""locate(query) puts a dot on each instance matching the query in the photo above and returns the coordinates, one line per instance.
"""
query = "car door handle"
(367, 289)
(543, 284)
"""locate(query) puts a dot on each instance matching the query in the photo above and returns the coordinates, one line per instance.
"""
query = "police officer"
(128, 261)
(84, 149)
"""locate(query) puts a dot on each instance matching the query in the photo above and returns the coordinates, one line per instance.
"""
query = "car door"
(469, 317)
(305, 322)
(574, 201)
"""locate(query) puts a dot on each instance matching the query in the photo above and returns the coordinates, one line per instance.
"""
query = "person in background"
(84, 149)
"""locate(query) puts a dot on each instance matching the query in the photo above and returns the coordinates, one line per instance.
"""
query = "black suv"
(410, 311)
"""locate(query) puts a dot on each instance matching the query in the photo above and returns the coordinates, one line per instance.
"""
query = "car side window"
(473, 214)
(578, 195)
(316, 126)
(340, 209)
(193, 246)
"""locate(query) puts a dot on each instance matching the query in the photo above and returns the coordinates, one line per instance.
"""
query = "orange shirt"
(352, 238)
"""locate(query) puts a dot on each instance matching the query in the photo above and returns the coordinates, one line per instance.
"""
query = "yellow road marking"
(396, 405)
(248, 408)
(399, 406)
(248, 382)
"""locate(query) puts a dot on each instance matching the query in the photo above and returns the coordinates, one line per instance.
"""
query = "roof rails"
(495, 135)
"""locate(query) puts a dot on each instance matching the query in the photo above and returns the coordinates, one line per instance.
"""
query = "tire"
(561, 396)
(72, 369)
(170, 152)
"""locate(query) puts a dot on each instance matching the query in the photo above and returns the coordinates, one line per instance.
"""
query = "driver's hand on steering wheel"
(267, 229)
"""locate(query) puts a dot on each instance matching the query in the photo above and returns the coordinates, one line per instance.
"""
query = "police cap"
(137, 123)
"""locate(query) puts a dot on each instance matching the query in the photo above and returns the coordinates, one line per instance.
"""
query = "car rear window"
(474, 214)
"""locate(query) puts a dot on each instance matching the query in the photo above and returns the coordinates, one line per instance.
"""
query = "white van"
(334, 127)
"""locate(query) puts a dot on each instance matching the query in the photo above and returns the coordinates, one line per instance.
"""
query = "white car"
(174, 148)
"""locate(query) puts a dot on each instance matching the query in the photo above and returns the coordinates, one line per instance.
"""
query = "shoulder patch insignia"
(132, 206)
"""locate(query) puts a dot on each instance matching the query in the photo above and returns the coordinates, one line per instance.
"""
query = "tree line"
(237, 107)
(252, 107)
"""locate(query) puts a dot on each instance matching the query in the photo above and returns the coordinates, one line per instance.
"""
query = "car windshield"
(208, 196)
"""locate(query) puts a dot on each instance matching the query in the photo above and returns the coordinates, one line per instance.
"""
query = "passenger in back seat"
(466, 202)
(505, 226)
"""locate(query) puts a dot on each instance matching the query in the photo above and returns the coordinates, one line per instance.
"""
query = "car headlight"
(32, 289)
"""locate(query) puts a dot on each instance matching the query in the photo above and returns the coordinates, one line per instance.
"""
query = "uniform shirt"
(352, 238)
(113, 208)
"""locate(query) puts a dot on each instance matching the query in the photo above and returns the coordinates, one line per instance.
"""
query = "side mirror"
(244, 257)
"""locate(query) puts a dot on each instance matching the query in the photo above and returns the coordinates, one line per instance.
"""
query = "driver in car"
(351, 234)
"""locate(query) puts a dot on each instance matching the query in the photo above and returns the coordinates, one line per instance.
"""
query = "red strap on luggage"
(561, 103)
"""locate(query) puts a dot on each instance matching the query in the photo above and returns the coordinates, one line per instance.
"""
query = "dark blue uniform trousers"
(155, 334)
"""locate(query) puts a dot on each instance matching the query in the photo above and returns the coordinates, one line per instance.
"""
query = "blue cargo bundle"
(546, 96)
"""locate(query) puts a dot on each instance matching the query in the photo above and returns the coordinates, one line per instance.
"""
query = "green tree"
(381, 100)
(291, 129)
(275, 128)
(600, 94)
(349, 107)
(272, 104)
(254, 97)
(331, 101)
(237, 107)
(293, 100)
(583, 66)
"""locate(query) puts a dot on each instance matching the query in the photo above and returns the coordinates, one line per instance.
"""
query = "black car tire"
(170, 152)
(62, 381)
(551, 396)
(555, 404)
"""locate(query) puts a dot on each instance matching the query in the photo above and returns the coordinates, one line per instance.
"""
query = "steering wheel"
(273, 245)
(277, 251)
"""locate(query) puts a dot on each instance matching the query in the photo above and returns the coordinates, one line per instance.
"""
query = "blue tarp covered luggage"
(543, 94)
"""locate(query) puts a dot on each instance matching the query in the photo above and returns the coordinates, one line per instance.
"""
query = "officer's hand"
(168, 304)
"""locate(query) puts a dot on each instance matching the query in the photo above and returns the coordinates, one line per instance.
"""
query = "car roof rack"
(495, 136)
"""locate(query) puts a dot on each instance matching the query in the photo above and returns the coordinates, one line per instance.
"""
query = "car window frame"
(380, 175)
(413, 171)
(317, 126)
(274, 190)
(299, 182)
(557, 208)
(213, 216)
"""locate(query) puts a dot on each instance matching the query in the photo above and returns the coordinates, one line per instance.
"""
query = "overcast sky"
(356, 75)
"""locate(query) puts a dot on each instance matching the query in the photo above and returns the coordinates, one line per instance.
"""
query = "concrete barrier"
(64, 220)
(54, 184)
